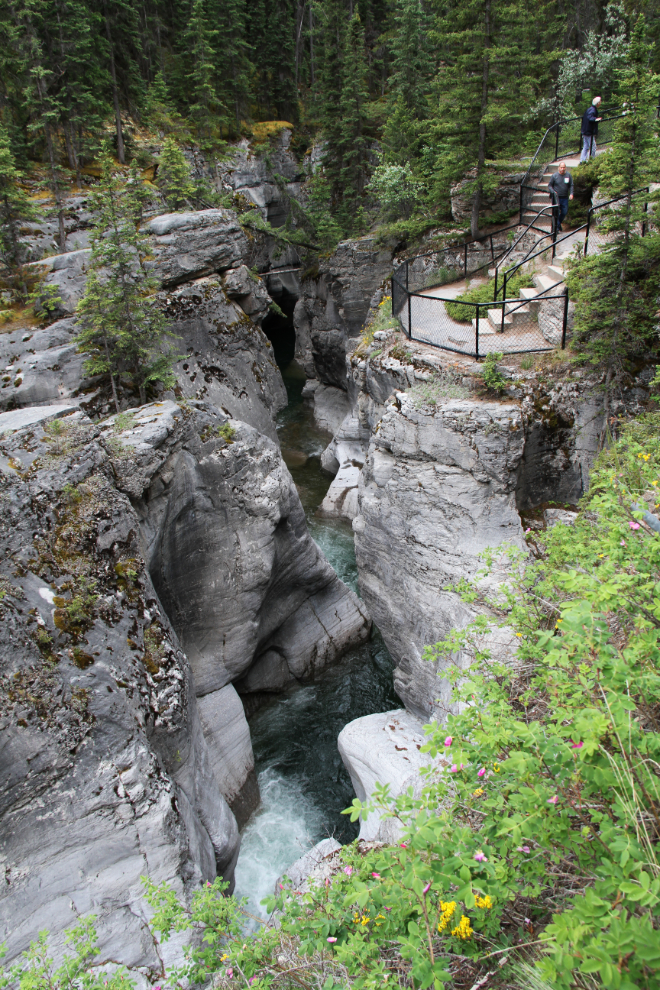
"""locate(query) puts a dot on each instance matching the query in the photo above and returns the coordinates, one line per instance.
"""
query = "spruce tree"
(205, 107)
(410, 79)
(491, 69)
(122, 328)
(173, 178)
(15, 207)
(353, 140)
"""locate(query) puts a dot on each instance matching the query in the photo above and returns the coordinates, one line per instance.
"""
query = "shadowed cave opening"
(279, 327)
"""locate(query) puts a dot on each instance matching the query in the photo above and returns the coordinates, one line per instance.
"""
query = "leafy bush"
(484, 293)
(493, 379)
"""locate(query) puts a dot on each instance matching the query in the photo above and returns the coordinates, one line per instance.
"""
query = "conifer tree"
(353, 140)
(205, 107)
(234, 58)
(122, 328)
(616, 289)
(15, 206)
(491, 68)
(174, 179)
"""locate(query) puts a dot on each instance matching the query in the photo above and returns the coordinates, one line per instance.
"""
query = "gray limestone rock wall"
(437, 488)
(105, 774)
(122, 754)
(334, 304)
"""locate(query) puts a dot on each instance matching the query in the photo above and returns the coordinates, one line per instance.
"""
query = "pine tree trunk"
(481, 157)
(115, 91)
(311, 45)
(300, 17)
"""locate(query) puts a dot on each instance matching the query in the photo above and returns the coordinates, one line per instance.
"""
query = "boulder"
(250, 292)
(189, 245)
(383, 749)
(315, 864)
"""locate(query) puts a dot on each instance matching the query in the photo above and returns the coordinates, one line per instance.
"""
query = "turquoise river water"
(304, 784)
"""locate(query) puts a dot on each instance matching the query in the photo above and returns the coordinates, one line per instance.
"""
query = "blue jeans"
(563, 210)
(588, 147)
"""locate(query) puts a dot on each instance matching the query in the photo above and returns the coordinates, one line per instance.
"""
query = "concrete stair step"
(515, 308)
(555, 269)
(533, 300)
(485, 328)
(495, 319)
(545, 282)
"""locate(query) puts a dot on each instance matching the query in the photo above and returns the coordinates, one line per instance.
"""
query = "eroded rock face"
(437, 488)
(228, 360)
(40, 367)
(334, 305)
(248, 590)
(105, 772)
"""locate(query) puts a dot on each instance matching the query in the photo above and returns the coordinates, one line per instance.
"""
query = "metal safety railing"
(593, 234)
(450, 264)
(561, 140)
(511, 326)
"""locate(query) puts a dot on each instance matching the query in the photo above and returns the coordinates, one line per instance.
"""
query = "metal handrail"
(615, 199)
(529, 226)
(530, 257)
(556, 126)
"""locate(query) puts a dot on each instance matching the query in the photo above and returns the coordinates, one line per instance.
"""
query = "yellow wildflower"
(463, 928)
(484, 902)
(222, 958)
(447, 908)
(365, 919)
(654, 482)
(356, 918)
(479, 791)
(496, 767)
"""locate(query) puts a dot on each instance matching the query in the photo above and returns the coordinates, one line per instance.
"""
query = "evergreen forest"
(407, 96)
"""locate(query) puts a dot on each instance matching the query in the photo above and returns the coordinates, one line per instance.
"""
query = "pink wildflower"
(331, 938)
(576, 745)
(348, 870)
(427, 888)
(634, 525)
(404, 845)
(448, 741)
(376, 876)
(623, 543)
(480, 857)
(552, 800)
(208, 883)
(481, 772)
(230, 973)
(281, 886)
(453, 768)
(523, 849)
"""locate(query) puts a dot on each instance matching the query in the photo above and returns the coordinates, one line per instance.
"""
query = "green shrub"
(493, 379)
(484, 294)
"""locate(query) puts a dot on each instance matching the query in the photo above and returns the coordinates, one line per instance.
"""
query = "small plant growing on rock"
(494, 380)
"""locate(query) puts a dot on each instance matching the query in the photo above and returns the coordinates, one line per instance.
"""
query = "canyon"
(160, 583)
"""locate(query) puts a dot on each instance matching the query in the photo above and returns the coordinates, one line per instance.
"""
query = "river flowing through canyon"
(303, 782)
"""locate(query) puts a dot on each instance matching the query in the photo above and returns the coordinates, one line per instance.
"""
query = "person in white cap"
(590, 130)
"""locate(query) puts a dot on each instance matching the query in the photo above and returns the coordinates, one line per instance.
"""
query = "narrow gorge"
(217, 599)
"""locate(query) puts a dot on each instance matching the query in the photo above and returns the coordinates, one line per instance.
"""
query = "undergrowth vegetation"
(532, 855)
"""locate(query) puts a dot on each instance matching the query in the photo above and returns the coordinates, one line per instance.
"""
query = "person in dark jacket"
(561, 184)
(590, 130)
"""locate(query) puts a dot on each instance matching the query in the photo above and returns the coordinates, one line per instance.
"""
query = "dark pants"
(562, 211)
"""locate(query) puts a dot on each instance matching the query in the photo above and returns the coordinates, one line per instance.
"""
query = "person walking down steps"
(590, 130)
(561, 184)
